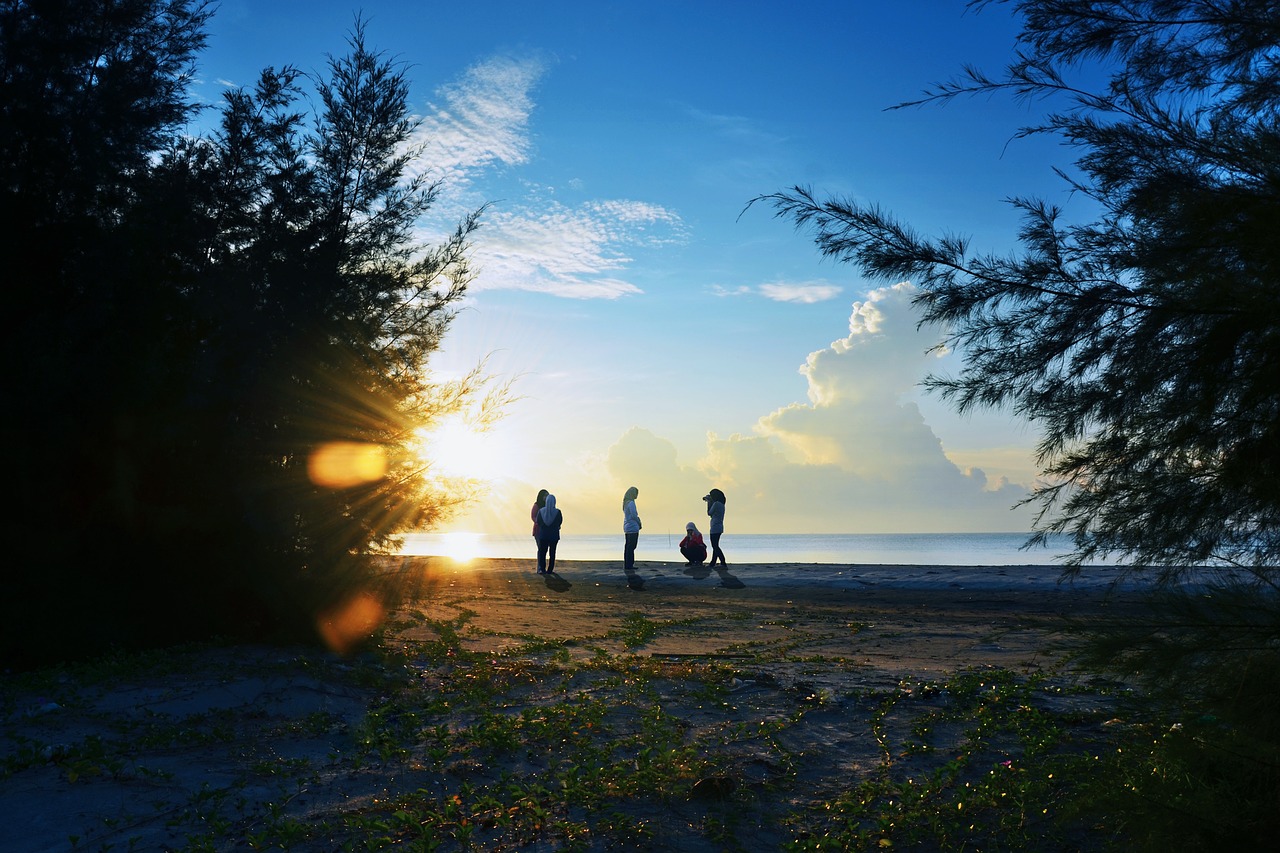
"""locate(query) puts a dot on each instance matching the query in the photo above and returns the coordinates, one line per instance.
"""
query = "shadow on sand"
(555, 583)
(729, 580)
(697, 571)
(700, 571)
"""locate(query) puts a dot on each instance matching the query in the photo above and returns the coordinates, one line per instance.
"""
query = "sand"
(910, 620)
(214, 744)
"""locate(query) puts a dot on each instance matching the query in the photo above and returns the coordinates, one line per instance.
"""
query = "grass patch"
(457, 746)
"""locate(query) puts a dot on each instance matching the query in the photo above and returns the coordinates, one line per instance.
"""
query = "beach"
(913, 620)
(221, 744)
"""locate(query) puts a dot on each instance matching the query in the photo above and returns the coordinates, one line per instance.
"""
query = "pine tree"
(196, 320)
(1145, 345)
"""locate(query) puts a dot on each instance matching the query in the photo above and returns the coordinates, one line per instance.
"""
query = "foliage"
(1199, 767)
(195, 317)
(1146, 344)
(445, 739)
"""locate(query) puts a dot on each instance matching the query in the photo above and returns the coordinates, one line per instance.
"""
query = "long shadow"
(555, 583)
(633, 579)
(728, 580)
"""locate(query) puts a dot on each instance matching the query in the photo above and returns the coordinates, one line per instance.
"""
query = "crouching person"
(692, 546)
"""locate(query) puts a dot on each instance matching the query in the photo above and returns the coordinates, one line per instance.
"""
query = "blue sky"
(658, 333)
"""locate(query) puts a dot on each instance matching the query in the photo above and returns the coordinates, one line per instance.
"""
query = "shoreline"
(971, 549)
(801, 574)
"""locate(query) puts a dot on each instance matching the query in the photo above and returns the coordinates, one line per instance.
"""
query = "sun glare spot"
(457, 449)
(342, 464)
(461, 547)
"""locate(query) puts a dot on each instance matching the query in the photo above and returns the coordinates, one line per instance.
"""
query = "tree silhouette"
(1145, 345)
(199, 320)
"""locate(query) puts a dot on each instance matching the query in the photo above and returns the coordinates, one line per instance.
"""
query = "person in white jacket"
(630, 528)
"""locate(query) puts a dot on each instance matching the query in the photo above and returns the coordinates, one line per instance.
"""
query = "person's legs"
(688, 553)
(551, 556)
(542, 557)
(715, 550)
(629, 551)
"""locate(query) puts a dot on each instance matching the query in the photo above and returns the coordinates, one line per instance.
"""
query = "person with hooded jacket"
(715, 509)
(692, 546)
(549, 521)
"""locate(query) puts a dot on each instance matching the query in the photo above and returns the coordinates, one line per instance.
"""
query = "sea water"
(941, 549)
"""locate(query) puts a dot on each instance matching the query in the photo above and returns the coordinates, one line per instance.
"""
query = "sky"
(657, 329)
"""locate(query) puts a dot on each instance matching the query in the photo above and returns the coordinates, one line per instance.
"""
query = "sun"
(458, 449)
(460, 546)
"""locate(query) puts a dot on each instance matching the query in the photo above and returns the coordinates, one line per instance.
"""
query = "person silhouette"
(630, 529)
(538, 504)
(549, 521)
(715, 509)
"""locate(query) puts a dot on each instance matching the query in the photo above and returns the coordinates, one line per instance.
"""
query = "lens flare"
(353, 621)
(343, 464)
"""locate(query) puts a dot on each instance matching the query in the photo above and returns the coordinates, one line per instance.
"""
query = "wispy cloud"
(740, 290)
(576, 252)
(804, 292)
(481, 120)
(479, 124)
(740, 129)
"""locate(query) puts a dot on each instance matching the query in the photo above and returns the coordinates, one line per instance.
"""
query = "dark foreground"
(589, 711)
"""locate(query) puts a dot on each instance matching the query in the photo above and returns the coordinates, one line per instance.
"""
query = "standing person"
(630, 529)
(715, 509)
(692, 546)
(549, 521)
(538, 504)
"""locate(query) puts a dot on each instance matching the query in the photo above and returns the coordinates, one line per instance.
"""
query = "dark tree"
(202, 321)
(88, 92)
(1145, 345)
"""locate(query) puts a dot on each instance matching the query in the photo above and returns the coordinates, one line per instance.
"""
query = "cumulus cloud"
(579, 252)
(858, 456)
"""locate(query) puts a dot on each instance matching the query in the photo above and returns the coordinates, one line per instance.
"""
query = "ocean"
(941, 549)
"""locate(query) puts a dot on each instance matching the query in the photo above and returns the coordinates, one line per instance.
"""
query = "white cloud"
(575, 252)
(741, 290)
(803, 292)
(480, 121)
(806, 293)
(858, 456)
